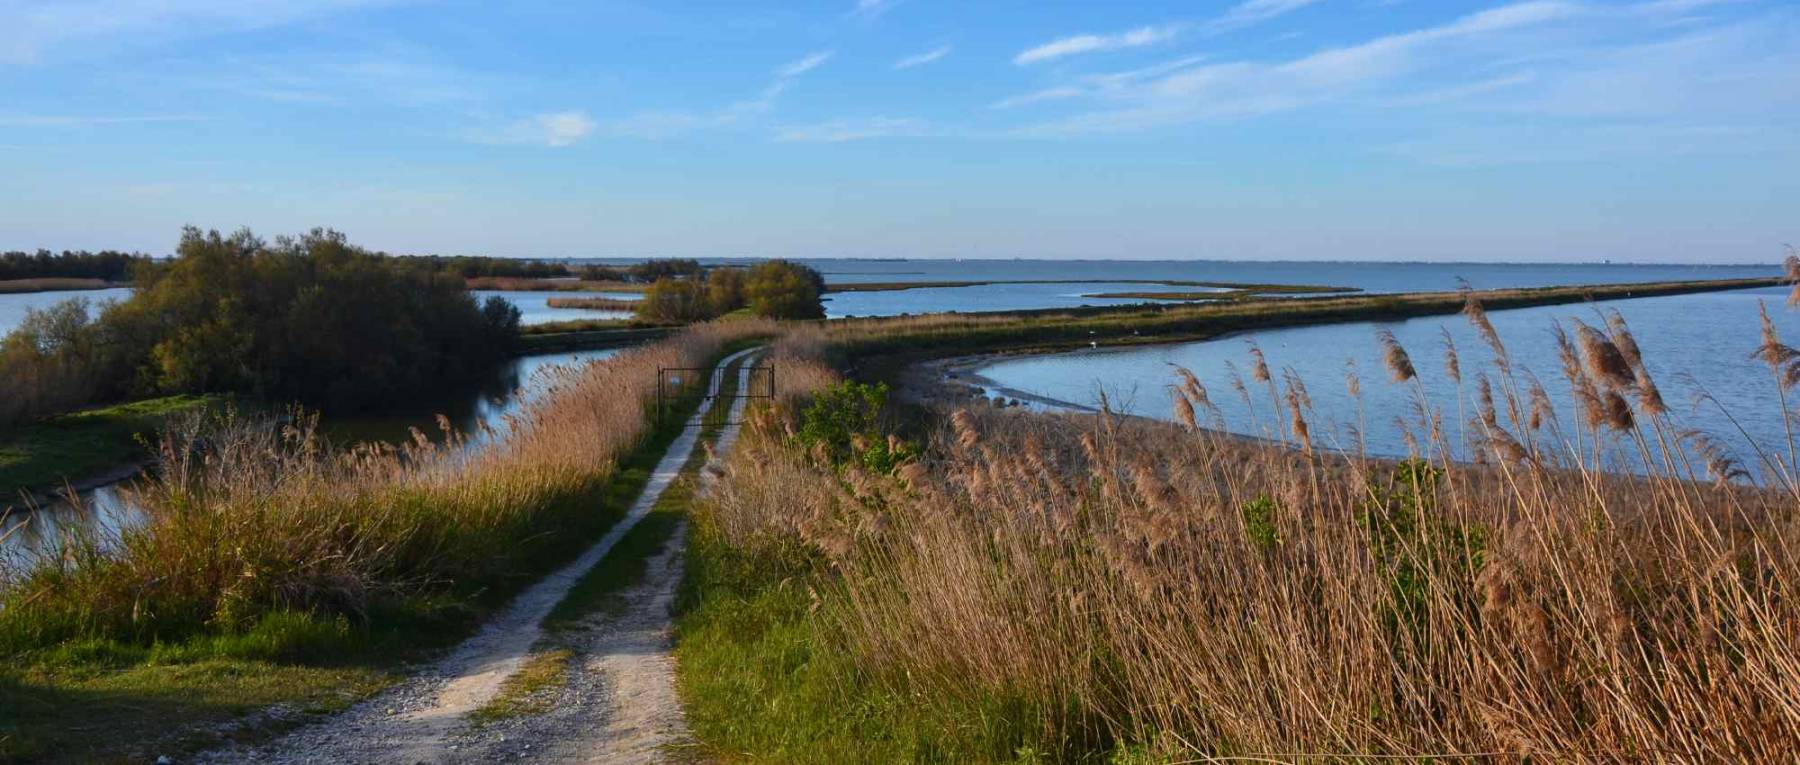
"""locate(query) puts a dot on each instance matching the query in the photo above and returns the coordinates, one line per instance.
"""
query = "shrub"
(675, 300)
(780, 289)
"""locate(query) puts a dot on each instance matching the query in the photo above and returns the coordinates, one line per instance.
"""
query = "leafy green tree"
(675, 300)
(725, 290)
(781, 289)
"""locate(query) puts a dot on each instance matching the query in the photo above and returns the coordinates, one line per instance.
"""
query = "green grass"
(760, 682)
(119, 701)
(72, 447)
(527, 691)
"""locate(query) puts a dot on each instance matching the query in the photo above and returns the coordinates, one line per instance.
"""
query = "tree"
(725, 290)
(781, 289)
(675, 300)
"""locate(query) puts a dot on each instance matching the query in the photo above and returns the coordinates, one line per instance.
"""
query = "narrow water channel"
(480, 414)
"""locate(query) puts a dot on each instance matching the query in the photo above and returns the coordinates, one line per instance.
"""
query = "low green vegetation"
(527, 691)
(43, 456)
(53, 284)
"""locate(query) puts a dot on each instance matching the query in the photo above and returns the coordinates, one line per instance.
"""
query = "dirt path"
(619, 705)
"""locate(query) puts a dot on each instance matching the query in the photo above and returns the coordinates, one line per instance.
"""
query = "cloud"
(841, 131)
(922, 58)
(1255, 12)
(29, 30)
(803, 65)
(870, 9)
(1091, 43)
(550, 129)
(1577, 74)
(1182, 93)
(658, 125)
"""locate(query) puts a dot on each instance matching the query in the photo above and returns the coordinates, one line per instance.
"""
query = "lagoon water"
(1692, 344)
(1370, 277)
(13, 305)
(534, 307)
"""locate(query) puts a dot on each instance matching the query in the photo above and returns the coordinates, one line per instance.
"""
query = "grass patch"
(527, 691)
(72, 447)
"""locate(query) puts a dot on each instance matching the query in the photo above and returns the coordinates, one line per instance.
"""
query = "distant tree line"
(312, 319)
(475, 266)
(110, 265)
(777, 289)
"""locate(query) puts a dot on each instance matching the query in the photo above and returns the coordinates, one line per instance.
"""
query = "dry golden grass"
(1198, 596)
(248, 519)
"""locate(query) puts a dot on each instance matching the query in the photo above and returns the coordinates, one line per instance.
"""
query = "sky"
(1545, 130)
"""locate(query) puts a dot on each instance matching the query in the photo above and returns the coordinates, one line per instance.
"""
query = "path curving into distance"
(620, 705)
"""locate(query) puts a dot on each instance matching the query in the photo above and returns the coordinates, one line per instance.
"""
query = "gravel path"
(620, 703)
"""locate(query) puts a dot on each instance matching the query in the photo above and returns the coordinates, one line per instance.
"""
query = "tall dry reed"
(246, 518)
(1202, 595)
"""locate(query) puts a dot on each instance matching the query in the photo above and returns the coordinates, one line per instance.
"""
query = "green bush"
(846, 421)
(311, 319)
(781, 289)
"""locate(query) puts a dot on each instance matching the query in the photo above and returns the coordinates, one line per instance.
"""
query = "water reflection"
(1692, 345)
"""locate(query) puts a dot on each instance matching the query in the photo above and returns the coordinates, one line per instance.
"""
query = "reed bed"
(1069, 586)
(594, 303)
(250, 520)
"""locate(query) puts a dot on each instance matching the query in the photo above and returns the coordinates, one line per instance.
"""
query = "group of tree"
(778, 289)
(109, 265)
(312, 319)
(474, 266)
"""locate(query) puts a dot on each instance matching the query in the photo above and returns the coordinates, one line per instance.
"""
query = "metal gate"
(758, 383)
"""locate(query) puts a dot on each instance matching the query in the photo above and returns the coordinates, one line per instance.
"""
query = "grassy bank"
(593, 304)
(44, 456)
(14, 286)
(277, 571)
(524, 284)
(952, 334)
(1245, 287)
(1083, 588)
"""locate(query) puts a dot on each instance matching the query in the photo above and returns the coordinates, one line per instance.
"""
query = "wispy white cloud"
(803, 65)
(658, 125)
(550, 129)
(1255, 12)
(30, 29)
(870, 9)
(841, 131)
(1570, 63)
(1092, 43)
(923, 58)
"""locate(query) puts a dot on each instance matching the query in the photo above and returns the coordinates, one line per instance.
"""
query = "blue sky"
(1646, 130)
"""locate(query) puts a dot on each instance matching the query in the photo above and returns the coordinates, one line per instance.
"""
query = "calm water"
(534, 309)
(1371, 277)
(1691, 343)
(14, 305)
(481, 414)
